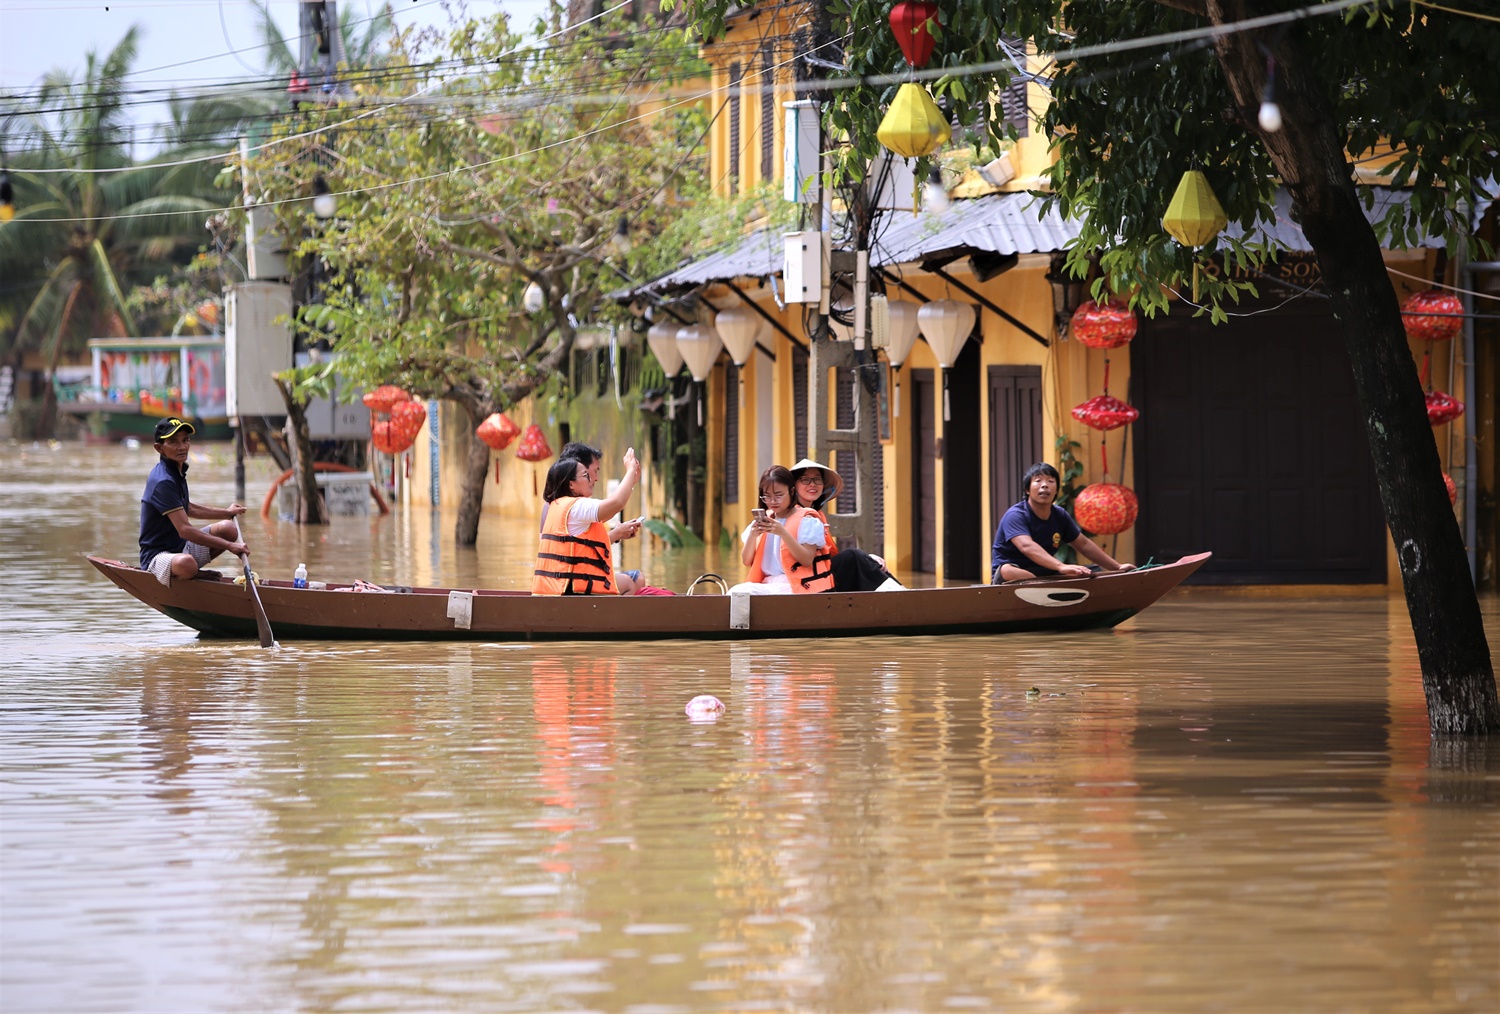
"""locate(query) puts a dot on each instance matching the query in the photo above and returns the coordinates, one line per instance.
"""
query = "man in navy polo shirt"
(1032, 532)
(170, 545)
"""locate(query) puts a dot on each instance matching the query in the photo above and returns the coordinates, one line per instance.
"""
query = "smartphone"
(758, 514)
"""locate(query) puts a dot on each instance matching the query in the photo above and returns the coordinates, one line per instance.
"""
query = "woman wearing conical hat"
(814, 485)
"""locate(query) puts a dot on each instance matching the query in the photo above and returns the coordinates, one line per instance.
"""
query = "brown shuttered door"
(731, 433)
(924, 471)
(1015, 432)
(1250, 444)
(963, 556)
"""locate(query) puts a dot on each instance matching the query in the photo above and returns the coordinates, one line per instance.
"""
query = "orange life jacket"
(818, 577)
(572, 564)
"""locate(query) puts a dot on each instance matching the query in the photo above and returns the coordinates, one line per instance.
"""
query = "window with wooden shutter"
(736, 75)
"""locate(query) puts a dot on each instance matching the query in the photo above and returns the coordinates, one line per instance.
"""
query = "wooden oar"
(262, 624)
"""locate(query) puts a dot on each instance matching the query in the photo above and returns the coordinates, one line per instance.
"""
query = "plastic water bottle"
(299, 577)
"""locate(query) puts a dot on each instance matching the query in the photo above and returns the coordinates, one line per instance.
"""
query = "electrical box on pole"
(806, 268)
(802, 154)
(257, 344)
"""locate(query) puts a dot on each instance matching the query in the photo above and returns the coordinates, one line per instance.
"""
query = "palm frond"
(41, 316)
(279, 57)
(108, 286)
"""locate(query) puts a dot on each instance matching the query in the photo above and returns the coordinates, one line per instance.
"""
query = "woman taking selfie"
(786, 547)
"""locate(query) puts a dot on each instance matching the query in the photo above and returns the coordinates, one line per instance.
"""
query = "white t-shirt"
(584, 512)
(809, 533)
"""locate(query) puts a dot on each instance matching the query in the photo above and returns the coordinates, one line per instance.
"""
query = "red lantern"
(1103, 325)
(1105, 412)
(1415, 311)
(910, 24)
(1443, 408)
(1452, 488)
(407, 418)
(1105, 508)
(388, 439)
(533, 445)
(382, 398)
(498, 431)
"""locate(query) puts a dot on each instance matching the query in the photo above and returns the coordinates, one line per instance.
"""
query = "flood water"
(1224, 804)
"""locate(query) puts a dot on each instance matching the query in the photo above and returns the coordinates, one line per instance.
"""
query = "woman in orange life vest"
(815, 485)
(574, 557)
(786, 547)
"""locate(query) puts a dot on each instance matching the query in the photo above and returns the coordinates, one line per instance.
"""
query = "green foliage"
(1070, 469)
(673, 532)
(1128, 123)
(457, 192)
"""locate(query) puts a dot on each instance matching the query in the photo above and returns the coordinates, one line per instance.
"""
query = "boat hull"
(223, 609)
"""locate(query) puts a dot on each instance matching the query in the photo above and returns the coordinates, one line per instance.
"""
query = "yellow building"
(1249, 441)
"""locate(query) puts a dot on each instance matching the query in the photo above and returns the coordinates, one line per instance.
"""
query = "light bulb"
(934, 196)
(534, 298)
(620, 241)
(325, 204)
(1270, 117)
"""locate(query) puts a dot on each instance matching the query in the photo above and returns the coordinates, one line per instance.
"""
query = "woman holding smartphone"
(813, 486)
(787, 548)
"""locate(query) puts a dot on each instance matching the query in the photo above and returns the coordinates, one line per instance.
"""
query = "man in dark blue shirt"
(1031, 533)
(170, 545)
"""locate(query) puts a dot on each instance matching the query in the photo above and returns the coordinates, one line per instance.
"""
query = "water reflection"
(1226, 803)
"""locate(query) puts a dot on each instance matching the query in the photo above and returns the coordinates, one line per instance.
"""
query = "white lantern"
(739, 327)
(663, 341)
(700, 346)
(842, 307)
(946, 324)
(903, 331)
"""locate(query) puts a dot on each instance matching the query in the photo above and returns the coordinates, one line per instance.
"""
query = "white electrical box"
(802, 155)
(257, 343)
(892, 183)
(265, 247)
(342, 417)
(806, 270)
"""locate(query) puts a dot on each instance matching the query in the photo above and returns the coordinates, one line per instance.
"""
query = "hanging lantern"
(1105, 508)
(913, 126)
(946, 324)
(663, 341)
(739, 327)
(1103, 325)
(700, 346)
(911, 23)
(1443, 408)
(533, 445)
(1194, 216)
(1452, 488)
(382, 398)
(903, 331)
(1105, 413)
(498, 431)
(407, 418)
(1426, 315)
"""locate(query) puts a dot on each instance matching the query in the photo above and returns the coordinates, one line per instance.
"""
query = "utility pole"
(825, 355)
(321, 50)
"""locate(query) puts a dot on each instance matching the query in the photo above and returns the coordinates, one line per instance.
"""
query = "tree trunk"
(476, 473)
(312, 510)
(1457, 673)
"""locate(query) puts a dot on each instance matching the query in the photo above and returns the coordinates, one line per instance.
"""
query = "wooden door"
(924, 471)
(1015, 432)
(1251, 444)
(963, 535)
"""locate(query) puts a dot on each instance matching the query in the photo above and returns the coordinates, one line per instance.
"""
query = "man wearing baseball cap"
(170, 545)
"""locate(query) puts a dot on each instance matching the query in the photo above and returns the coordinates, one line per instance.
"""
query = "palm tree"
(87, 223)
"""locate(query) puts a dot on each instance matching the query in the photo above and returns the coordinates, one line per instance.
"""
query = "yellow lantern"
(1194, 215)
(913, 126)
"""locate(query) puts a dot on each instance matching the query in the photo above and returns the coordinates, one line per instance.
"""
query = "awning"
(1001, 224)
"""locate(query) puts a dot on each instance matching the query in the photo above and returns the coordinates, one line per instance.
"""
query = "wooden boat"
(221, 608)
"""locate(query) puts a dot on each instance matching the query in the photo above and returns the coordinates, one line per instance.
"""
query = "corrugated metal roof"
(997, 223)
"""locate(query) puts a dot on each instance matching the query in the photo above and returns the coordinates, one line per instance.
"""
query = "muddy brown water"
(1224, 804)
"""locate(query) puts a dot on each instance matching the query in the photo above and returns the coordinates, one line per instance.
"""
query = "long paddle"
(262, 625)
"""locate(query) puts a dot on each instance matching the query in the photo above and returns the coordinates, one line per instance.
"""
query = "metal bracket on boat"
(461, 608)
(739, 611)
